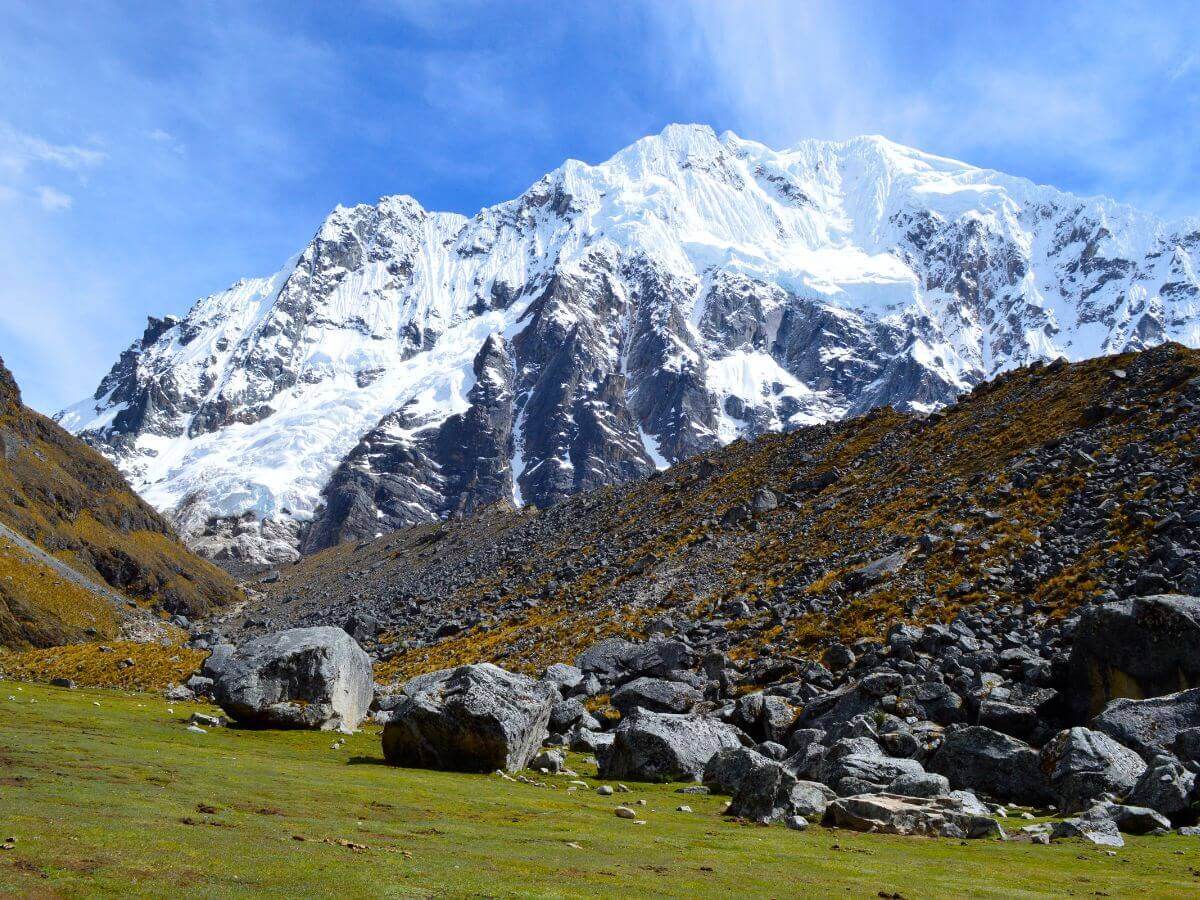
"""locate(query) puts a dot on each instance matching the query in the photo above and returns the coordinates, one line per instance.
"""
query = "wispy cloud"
(19, 151)
(1093, 97)
(53, 199)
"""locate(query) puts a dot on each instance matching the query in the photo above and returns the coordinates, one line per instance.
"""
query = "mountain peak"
(690, 290)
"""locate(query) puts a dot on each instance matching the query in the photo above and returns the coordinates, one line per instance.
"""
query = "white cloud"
(19, 151)
(53, 199)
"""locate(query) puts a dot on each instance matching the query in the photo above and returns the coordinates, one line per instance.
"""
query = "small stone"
(796, 823)
(605, 790)
(624, 812)
(684, 808)
(623, 789)
(196, 729)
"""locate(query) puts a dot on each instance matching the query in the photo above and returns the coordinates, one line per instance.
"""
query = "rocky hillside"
(410, 365)
(79, 551)
(1044, 488)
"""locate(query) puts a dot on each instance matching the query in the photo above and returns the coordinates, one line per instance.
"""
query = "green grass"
(119, 799)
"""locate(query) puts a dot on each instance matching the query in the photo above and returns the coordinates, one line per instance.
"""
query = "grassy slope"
(106, 800)
(71, 502)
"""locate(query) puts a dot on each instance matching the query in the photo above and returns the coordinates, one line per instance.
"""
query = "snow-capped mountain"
(614, 318)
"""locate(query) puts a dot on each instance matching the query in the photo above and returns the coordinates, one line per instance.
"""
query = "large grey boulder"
(893, 814)
(1150, 726)
(1137, 648)
(770, 793)
(725, 771)
(649, 746)
(1166, 787)
(564, 677)
(1082, 765)
(301, 678)
(658, 658)
(476, 718)
(1134, 819)
(605, 659)
(925, 784)
(858, 765)
(656, 695)
(980, 759)
(216, 661)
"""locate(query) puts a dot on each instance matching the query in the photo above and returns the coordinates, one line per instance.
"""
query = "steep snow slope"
(613, 319)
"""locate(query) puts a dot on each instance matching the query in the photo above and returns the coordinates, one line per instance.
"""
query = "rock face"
(1137, 648)
(770, 794)
(893, 814)
(1150, 726)
(475, 718)
(656, 695)
(979, 759)
(1083, 765)
(650, 746)
(364, 385)
(301, 678)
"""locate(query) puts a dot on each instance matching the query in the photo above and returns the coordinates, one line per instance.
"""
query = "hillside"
(77, 546)
(408, 365)
(1046, 487)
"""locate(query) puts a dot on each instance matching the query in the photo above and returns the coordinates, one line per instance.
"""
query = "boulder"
(936, 702)
(658, 658)
(858, 765)
(476, 718)
(980, 759)
(725, 771)
(656, 695)
(1134, 819)
(892, 814)
(1166, 787)
(565, 714)
(178, 693)
(1187, 744)
(1137, 648)
(1008, 718)
(548, 761)
(770, 793)
(605, 659)
(649, 746)
(923, 784)
(1082, 765)
(216, 660)
(1094, 826)
(301, 678)
(564, 677)
(585, 740)
(1150, 726)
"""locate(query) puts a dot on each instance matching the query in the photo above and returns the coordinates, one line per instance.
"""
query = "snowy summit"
(408, 365)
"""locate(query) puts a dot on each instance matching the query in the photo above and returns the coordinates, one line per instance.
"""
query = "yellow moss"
(98, 665)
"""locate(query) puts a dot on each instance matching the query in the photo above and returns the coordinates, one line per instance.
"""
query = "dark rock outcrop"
(1137, 648)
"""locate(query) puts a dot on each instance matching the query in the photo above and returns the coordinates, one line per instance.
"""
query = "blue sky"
(151, 153)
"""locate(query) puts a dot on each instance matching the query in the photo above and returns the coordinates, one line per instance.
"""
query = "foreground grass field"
(109, 794)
